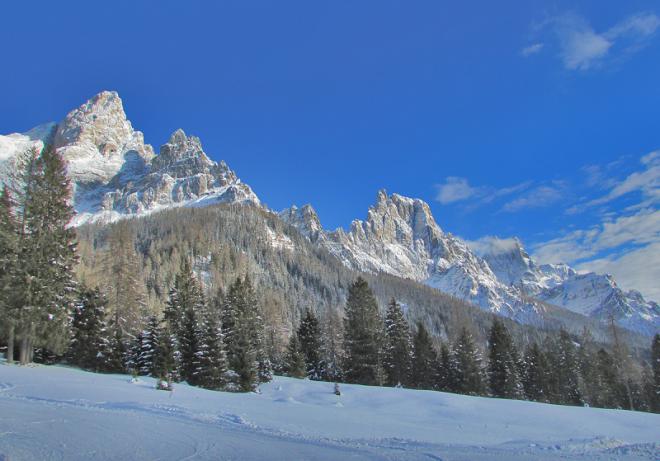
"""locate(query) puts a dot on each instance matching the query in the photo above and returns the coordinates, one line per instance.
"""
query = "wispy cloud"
(539, 196)
(534, 48)
(456, 189)
(581, 47)
(631, 269)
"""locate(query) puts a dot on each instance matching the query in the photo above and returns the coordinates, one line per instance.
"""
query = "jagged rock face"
(589, 294)
(305, 220)
(400, 237)
(97, 141)
(115, 174)
(181, 174)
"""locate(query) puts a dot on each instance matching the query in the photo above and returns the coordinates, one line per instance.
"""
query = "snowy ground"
(60, 413)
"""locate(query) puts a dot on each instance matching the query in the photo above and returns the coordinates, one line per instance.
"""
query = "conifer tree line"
(219, 341)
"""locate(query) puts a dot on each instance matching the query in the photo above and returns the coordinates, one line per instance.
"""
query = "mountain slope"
(589, 294)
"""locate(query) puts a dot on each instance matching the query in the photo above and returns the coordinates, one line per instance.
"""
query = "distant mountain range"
(116, 175)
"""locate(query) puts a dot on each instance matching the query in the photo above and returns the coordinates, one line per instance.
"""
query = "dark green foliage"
(90, 345)
(503, 374)
(536, 374)
(655, 380)
(212, 366)
(363, 334)
(467, 376)
(8, 267)
(424, 360)
(243, 331)
(398, 350)
(294, 360)
(43, 286)
(563, 360)
(309, 336)
(443, 369)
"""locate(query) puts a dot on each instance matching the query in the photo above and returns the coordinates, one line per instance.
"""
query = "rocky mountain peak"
(96, 139)
(184, 150)
(305, 219)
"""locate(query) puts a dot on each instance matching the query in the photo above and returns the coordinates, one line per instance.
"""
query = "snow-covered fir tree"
(309, 336)
(363, 335)
(89, 343)
(398, 347)
(467, 375)
(424, 359)
(503, 376)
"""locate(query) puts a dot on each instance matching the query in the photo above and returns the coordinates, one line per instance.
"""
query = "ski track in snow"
(52, 413)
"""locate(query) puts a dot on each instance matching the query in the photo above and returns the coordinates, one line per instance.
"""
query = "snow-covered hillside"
(60, 413)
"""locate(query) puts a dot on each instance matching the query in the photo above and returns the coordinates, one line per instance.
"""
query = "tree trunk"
(10, 345)
(23, 351)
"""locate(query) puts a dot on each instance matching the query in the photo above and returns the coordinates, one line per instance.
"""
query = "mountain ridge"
(116, 175)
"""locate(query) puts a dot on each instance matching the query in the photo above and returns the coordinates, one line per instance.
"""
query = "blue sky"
(534, 119)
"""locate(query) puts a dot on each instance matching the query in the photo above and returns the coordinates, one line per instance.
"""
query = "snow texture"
(53, 413)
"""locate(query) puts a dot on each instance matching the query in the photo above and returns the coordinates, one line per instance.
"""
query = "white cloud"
(456, 189)
(534, 48)
(493, 245)
(581, 47)
(638, 269)
(646, 181)
(638, 229)
(537, 197)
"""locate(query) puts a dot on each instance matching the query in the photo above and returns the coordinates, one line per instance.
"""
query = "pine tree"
(466, 369)
(89, 344)
(294, 361)
(655, 367)
(535, 376)
(362, 335)
(309, 336)
(148, 349)
(243, 331)
(46, 253)
(332, 343)
(424, 359)
(443, 378)
(8, 266)
(398, 349)
(502, 363)
(213, 364)
(562, 356)
(117, 350)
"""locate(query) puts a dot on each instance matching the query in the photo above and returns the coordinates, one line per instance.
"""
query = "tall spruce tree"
(46, 250)
(443, 378)
(243, 331)
(655, 380)
(294, 360)
(90, 343)
(424, 359)
(309, 336)
(213, 363)
(466, 368)
(8, 266)
(562, 356)
(536, 380)
(363, 332)
(503, 374)
(398, 348)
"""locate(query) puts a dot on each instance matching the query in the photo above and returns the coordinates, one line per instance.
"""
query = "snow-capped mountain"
(400, 237)
(590, 294)
(116, 174)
